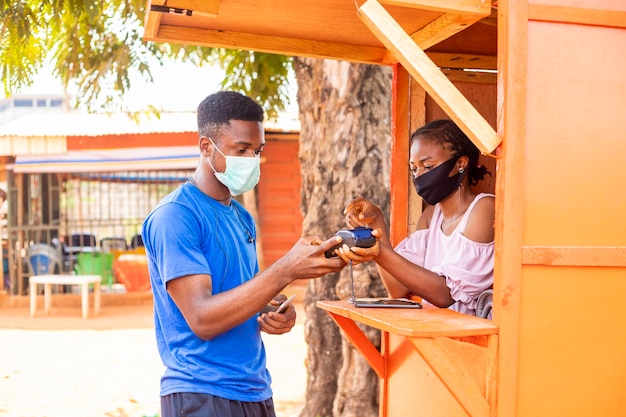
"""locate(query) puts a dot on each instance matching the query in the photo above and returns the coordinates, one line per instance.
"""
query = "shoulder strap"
(469, 210)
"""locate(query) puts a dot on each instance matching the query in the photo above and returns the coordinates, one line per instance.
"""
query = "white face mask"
(242, 173)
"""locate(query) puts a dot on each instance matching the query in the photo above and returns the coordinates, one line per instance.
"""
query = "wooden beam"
(463, 61)
(400, 133)
(510, 197)
(200, 7)
(270, 44)
(491, 383)
(478, 7)
(385, 28)
(577, 15)
(453, 376)
(574, 256)
(361, 343)
(455, 60)
(442, 28)
(470, 76)
(152, 21)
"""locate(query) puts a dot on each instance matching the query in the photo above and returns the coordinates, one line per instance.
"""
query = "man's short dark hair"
(217, 110)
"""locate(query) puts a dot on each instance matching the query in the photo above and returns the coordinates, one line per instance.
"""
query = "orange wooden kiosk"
(553, 117)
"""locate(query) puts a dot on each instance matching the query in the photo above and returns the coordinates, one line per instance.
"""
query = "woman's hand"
(361, 212)
(359, 255)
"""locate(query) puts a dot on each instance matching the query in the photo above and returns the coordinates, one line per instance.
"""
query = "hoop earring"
(461, 170)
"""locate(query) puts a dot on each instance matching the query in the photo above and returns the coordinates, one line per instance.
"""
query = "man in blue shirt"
(204, 272)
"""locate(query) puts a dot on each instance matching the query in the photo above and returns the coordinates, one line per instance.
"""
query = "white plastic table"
(48, 280)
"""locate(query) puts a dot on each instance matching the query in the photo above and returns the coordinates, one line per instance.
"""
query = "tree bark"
(344, 152)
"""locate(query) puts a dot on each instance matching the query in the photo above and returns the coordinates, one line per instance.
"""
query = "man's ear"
(205, 146)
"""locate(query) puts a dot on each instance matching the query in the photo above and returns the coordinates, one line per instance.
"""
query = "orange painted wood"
(442, 28)
(279, 198)
(399, 176)
(510, 194)
(331, 30)
(152, 21)
(414, 389)
(392, 35)
(383, 410)
(75, 143)
(491, 385)
(484, 98)
(430, 371)
(453, 376)
(361, 343)
(579, 15)
(202, 7)
(417, 118)
(457, 6)
(426, 322)
(570, 293)
(264, 43)
(574, 256)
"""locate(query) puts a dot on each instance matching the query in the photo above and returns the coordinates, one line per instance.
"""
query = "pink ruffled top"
(466, 265)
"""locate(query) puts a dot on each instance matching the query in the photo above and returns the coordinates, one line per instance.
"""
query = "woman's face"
(427, 154)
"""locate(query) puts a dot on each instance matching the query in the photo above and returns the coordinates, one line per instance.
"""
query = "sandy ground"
(61, 365)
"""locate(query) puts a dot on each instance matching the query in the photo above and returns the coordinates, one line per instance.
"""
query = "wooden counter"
(432, 361)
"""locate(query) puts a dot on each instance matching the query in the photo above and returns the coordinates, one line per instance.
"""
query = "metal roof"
(93, 124)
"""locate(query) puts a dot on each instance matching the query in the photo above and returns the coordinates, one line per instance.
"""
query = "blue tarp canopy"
(111, 160)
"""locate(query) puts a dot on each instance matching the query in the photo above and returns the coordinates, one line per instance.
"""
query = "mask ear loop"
(208, 158)
(461, 187)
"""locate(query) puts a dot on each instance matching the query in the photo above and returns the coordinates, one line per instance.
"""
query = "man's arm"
(210, 315)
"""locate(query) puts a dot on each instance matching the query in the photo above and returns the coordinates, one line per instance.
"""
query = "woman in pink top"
(448, 260)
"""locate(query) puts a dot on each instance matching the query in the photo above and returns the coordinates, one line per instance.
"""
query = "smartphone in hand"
(285, 304)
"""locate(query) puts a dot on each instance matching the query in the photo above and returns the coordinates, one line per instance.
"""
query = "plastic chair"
(136, 241)
(42, 259)
(95, 263)
(110, 244)
(83, 240)
(67, 259)
(114, 245)
(131, 269)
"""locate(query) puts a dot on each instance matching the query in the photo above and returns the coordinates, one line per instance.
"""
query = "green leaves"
(96, 46)
(93, 45)
(21, 52)
(264, 77)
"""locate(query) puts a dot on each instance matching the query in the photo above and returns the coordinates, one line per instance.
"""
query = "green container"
(95, 263)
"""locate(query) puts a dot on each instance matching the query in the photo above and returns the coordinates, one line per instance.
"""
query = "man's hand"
(306, 259)
(277, 323)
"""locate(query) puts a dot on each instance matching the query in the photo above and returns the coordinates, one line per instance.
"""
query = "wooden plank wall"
(279, 198)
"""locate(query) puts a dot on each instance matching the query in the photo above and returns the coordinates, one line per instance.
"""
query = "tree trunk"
(344, 152)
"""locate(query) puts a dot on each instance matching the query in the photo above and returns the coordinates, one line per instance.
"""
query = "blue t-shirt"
(190, 233)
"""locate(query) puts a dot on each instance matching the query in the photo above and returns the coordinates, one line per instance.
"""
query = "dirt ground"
(107, 365)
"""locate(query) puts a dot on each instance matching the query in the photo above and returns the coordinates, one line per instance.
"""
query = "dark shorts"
(185, 404)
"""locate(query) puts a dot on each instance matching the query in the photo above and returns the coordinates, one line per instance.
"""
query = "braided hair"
(449, 136)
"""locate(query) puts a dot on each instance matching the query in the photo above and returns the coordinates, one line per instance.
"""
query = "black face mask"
(435, 185)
